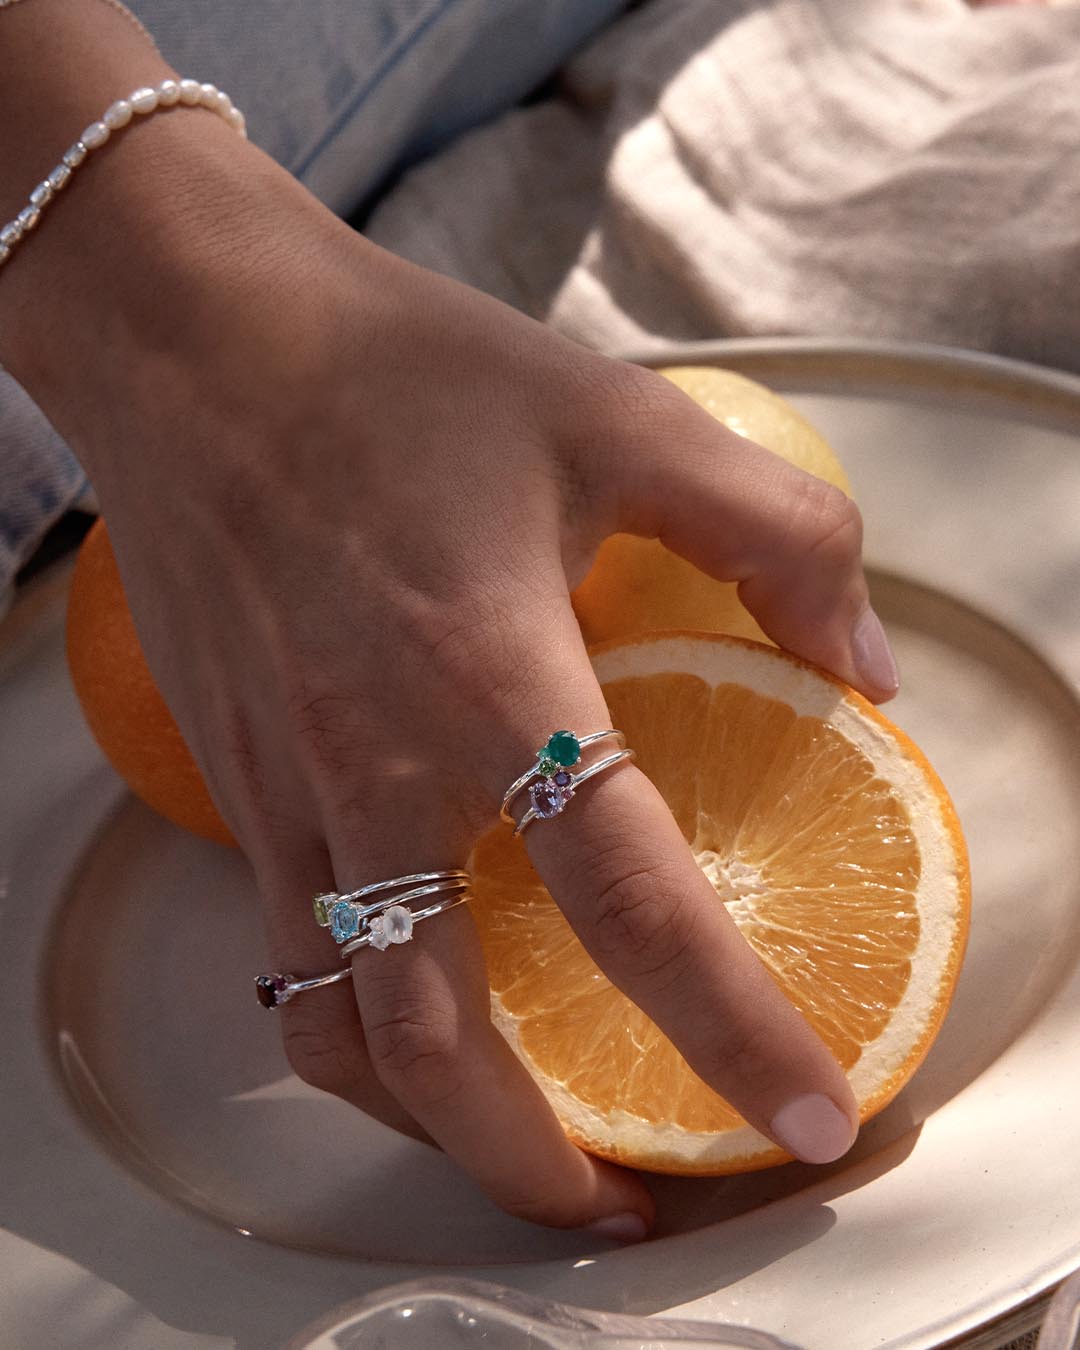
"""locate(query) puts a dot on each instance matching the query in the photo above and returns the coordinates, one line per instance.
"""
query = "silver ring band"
(452, 874)
(395, 924)
(523, 782)
(576, 779)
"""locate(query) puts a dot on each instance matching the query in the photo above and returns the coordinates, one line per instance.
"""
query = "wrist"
(167, 264)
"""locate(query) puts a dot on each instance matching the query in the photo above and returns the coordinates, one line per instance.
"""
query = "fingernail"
(873, 656)
(619, 1227)
(813, 1128)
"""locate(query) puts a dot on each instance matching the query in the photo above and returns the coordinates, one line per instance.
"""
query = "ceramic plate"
(167, 1182)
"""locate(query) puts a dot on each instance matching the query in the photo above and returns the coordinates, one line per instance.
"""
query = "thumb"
(792, 542)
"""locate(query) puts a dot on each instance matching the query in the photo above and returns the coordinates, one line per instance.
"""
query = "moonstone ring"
(551, 781)
(394, 924)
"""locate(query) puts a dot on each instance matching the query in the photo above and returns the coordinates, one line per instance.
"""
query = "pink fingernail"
(619, 1227)
(873, 656)
(813, 1128)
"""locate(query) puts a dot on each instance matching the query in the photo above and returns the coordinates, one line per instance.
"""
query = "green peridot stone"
(547, 765)
(322, 918)
(563, 748)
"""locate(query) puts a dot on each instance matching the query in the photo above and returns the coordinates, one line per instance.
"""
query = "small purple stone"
(563, 779)
(547, 799)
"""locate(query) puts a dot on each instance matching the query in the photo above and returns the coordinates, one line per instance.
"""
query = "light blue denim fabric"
(343, 93)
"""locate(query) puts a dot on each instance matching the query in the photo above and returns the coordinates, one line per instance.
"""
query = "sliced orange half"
(835, 848)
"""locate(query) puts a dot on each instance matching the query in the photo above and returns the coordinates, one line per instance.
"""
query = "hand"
(349, 500)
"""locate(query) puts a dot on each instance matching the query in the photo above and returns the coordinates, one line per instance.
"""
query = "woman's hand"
(349, 500)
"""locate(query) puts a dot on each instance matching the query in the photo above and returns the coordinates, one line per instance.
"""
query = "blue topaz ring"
(354, 914)
(553, 779)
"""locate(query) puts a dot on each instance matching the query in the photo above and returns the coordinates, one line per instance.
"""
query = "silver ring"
(274, 990)
(394, 924)
(549, 797)
(346, 917)
(554, 759)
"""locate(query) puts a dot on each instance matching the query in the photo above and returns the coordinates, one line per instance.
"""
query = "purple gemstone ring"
(549, 800)
(553, 769)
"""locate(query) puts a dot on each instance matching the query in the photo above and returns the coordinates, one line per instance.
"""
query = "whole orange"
(123, 706)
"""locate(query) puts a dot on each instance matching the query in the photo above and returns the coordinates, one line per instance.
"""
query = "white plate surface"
(167, 1183)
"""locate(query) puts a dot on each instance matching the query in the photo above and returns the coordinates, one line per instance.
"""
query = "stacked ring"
(395, 922)
(358, 919)
(551, 782)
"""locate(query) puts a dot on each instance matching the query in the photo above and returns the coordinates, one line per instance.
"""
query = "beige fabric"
(884, 168)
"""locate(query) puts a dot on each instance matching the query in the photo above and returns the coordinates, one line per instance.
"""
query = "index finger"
(618, 866)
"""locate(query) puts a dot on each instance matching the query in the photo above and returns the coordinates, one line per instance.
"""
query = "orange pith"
(813, 852)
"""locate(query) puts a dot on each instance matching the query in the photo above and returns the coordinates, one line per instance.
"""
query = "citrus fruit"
(639, 586)
(123, 707)
(832, 843)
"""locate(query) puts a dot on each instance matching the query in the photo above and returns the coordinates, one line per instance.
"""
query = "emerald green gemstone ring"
(550, 780)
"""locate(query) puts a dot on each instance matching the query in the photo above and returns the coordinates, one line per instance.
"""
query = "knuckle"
(329, 1058)
(829, 522)
(640, 920)
(637, 403)
(743, 1056)
(415, 1053)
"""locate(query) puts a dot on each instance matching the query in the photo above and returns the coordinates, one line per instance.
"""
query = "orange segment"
(814, 819)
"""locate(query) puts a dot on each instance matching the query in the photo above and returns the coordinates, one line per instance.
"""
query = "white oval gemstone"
(208, 96)
(397, 923)
(190, 92)
(168, 92)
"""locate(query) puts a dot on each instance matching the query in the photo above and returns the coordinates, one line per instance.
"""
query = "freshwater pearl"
(42, 194)
(75, 155)
(59, 177)
(190, 92)
(144, 100)
(168, 92)
(28, 218)
(119, 115)
(95, 135)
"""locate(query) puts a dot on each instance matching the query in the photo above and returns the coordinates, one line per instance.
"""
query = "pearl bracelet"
(140, 103)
